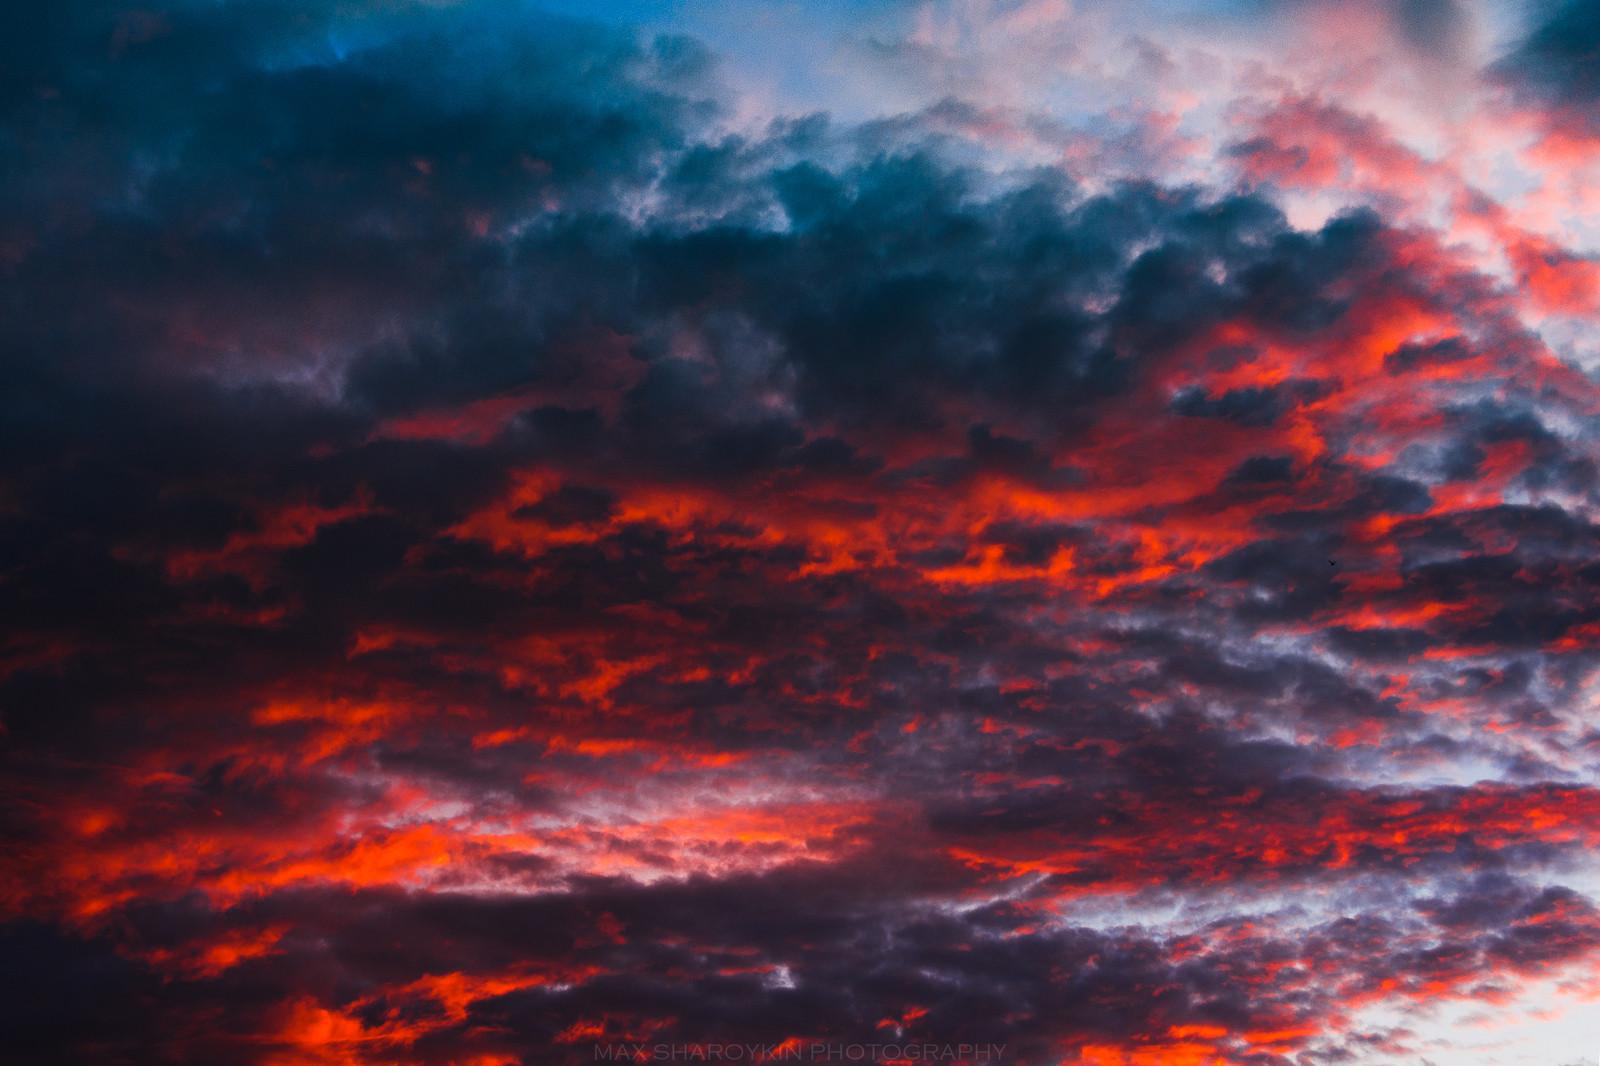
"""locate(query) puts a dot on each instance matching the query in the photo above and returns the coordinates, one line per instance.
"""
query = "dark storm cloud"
(1557, 67)
(1248, 407)
(1263, 469)
(297, 174)
(1409, 356)
(739, 960)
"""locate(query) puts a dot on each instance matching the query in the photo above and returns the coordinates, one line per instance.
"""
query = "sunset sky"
(534, 529)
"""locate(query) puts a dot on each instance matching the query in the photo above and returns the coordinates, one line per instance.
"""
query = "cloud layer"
(517, 541)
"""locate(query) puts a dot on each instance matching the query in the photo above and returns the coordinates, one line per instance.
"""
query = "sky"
(1020, 531)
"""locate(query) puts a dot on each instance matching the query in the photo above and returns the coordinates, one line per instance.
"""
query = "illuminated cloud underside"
(1075, 528)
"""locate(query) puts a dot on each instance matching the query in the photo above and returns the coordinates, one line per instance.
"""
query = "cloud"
(504, 553)
(1555, 65)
